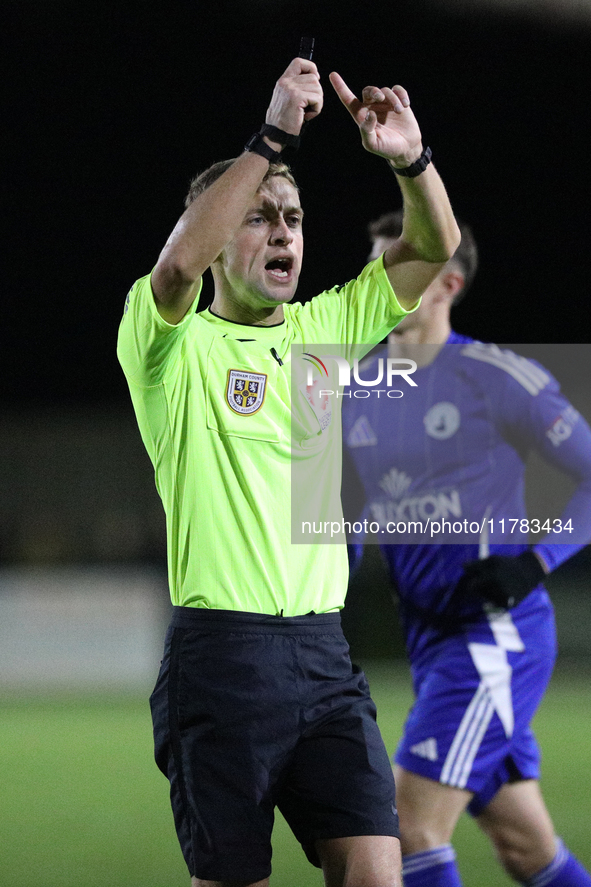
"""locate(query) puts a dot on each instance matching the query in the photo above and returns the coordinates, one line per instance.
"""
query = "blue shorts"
(252, 712)
(470, 724)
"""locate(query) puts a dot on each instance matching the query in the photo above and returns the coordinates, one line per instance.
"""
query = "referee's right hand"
(297, 97)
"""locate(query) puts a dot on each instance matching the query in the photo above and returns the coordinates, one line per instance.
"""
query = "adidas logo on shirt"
(426, 749)
(362, 434)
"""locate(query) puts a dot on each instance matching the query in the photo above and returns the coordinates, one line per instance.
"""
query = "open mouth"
(280, 268)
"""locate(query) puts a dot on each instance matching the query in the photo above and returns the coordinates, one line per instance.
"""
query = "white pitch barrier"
(81, 628)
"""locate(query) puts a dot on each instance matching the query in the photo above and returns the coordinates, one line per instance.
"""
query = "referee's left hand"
(387, 124)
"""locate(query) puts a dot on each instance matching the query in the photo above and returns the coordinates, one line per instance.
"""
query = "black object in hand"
(306, 50)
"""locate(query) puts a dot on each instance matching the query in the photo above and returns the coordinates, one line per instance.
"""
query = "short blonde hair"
(203, 180)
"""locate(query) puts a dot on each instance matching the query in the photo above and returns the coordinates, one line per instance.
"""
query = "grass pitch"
(83, 803)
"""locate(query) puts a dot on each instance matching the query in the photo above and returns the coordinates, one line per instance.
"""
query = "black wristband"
(258, 145)
(287, 139)
(416, 168)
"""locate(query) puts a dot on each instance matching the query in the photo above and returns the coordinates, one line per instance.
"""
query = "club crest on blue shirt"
(442, 420)
(245, 392)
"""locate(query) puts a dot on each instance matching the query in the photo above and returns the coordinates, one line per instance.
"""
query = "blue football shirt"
(451, 451)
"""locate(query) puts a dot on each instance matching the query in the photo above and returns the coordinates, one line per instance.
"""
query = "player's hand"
(500, 579)
(297, 97)
(387, 124)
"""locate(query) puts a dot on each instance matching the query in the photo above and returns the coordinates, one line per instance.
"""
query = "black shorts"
(255, 711)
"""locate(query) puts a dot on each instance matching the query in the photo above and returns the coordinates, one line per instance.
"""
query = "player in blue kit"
(478, 623)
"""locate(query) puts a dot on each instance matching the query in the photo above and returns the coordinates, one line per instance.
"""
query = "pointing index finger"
(347, 97)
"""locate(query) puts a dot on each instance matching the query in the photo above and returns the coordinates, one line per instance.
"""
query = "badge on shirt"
(245, 392)
(442, 420)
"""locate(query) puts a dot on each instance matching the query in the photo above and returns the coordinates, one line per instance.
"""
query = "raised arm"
(211, 220)
(430, 234)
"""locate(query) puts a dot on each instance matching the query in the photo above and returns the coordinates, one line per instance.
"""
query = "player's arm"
(430, 234)
(547, 422)
(212, 219)
(563, 439)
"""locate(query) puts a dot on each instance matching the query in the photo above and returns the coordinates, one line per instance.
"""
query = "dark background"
(113, 107)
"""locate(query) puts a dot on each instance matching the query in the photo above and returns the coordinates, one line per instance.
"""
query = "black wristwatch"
(287, 139)
(416, 168)
(258, 145)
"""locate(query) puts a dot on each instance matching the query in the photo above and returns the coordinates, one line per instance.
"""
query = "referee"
(257, 704)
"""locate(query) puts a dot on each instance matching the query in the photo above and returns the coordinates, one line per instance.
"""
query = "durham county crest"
(246, 391)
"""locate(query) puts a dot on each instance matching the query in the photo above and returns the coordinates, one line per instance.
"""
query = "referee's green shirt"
(214, 408)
